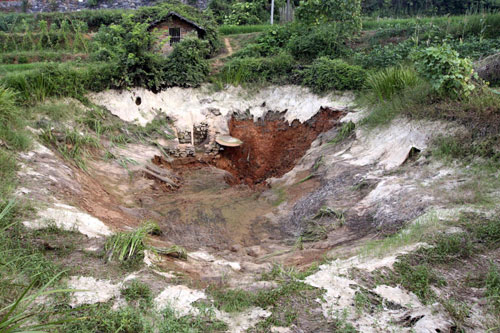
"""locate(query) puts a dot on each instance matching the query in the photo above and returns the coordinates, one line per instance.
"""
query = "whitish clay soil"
(235, 228)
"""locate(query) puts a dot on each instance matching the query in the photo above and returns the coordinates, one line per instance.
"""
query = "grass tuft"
(124, 246)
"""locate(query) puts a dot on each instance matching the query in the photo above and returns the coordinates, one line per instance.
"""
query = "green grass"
(124, 246)
(237, 300)
(12, 68)
(28, 57)
(72, 145)
(459, 311)
(417, 279)
(56, 111)
(22, 314)
(461, 26)
(345, 131)
(388, 82)
(416, 231)
(383, 112)
(242, 29)
(139, 293)
(103, 319)
(493, 288)
(12, 132)
(415, 272)
(8, 169)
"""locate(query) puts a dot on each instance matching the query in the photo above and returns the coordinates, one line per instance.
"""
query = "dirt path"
(229, 48)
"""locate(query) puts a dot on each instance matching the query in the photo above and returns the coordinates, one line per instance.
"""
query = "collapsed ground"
(375, 214)
(233, 253)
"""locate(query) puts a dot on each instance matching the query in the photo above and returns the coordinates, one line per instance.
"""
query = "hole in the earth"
(413, 155)
(271, 146)
(138, 100)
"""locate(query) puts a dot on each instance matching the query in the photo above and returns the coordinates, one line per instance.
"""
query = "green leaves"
(347, 12)
(326, 75)
(448, 74)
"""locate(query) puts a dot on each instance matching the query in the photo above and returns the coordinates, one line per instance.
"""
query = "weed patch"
(417, 279)
(72, 145)
(493, 288)
(138, 293)
(345, 131)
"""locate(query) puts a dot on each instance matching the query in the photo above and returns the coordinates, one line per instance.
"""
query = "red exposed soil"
(271, 146)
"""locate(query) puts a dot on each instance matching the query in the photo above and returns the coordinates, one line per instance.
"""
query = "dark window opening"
(175, 35)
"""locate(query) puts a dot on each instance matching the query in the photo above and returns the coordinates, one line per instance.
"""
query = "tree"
(131, 46)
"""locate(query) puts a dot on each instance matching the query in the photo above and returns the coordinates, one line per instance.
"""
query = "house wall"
(174, 22)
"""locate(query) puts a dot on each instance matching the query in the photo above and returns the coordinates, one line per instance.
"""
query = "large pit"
(219, 199)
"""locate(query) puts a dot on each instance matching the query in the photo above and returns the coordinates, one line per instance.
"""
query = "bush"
(244, 13)
(326, 74)
(345, 12)
(304, 42)
(385, 56)
(275, 69)
(391, 81)
(186, 66)
(448, 74)
(309, 43)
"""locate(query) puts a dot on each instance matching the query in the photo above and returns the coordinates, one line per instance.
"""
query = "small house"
(175, 27)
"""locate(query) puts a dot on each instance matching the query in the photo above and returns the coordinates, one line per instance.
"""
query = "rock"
(236, 248)
(214, 111)
(255, 251)
(255, 268)
(488, 69)
(260, 285)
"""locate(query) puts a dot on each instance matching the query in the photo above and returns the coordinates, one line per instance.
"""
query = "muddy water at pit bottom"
(206, 212)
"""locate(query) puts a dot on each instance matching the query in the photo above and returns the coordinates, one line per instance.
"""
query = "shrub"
(243, 13)
(310, 43)
(448, 74)
(326, 74)
(391, 81)
(186, 65)
(385, 56)
(275, 69)
(271, 42)
(345, 12)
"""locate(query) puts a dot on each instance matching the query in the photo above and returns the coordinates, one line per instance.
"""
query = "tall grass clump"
(493, 288)
(124, 246)
(392, 91)
(72, 145)
(384, 84)
(11, 121)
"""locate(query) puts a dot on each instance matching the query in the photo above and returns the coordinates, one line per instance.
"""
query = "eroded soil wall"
(272, 146)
